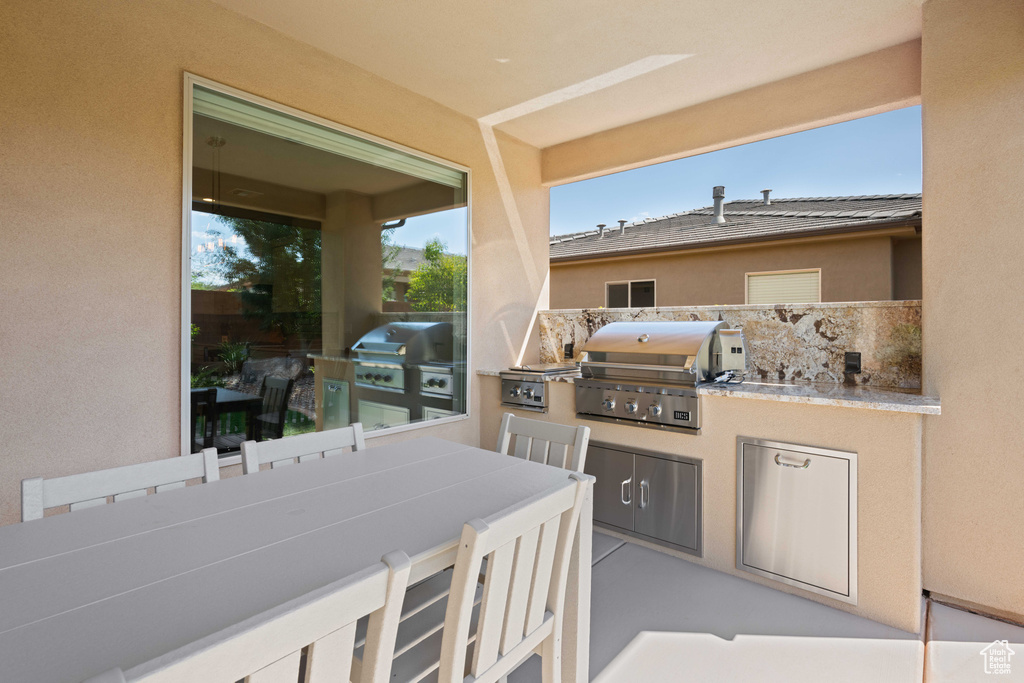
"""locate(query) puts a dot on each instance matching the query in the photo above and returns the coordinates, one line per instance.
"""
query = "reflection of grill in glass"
(647, 372)
(404, 373)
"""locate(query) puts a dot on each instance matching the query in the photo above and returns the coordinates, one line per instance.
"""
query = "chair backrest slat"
(85, 504)
(331, 656)
(266, 648)
(493, 606)
(524, 444)
(303, 447)
(283, 670)
(127, 495)
(89, 489)
(519, 591)
(525, 547)
(551, 444)
(542, 568)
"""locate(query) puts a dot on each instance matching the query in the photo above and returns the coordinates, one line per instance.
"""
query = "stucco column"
(973, 252)
(351, 270)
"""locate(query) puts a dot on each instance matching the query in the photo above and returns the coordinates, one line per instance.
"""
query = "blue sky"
(878, 154)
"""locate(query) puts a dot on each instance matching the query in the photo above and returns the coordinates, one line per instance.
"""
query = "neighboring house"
(865, 248)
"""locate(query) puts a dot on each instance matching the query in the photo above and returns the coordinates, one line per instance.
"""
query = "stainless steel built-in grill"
(408, 365)
(524, 386)
(648, 372)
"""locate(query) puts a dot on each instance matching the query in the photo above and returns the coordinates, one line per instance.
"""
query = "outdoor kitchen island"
(882, 427)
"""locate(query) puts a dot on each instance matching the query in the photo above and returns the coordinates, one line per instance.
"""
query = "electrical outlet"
(852, 360)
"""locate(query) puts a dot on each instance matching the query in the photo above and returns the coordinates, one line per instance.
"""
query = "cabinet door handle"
(799, 465)
(626, 488)
(645, 494)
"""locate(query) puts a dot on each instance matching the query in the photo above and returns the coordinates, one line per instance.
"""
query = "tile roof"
(746, 220)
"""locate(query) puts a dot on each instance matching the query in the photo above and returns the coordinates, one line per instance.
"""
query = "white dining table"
(116, 585)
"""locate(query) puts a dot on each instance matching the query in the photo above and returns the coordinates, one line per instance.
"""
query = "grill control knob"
(631, 406)
(654, 410)
(442, 383)
(515, 391)
(608, 403)
(528, 393)
(387, 378)
(431, 382)
(376, 378)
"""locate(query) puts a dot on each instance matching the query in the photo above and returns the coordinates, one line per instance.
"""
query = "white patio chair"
(131, 481)
(517, 611)
(267, 648)
(302, 447)
(544, 442)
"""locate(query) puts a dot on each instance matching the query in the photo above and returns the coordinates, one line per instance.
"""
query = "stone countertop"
(838, 395)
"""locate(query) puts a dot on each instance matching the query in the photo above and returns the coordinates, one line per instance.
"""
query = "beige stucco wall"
(881, 81)
(90, 214)
(854, 269)
(973, 248)
(889, 469)
(906, 268)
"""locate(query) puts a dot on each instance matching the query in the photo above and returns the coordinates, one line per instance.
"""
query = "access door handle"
(626, 488)
(645, 494)
(797, 465)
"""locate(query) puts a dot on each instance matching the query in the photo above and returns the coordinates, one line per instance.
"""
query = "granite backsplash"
(798, 342)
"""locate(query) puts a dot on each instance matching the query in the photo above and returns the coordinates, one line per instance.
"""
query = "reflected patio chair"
(131, 481)
(268, 423)
(301, 448)
(563, 446)
(268, 647)
(275, 392)
(204, 405)
(480, 633)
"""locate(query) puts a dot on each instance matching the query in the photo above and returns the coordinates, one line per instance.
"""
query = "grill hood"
(669, 351)
(405, 342)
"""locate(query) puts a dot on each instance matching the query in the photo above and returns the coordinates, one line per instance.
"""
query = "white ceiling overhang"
(548, 72)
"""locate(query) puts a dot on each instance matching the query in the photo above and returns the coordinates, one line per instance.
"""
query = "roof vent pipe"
(719, 194)
(767, 199)
(622, 226)
(600, 226)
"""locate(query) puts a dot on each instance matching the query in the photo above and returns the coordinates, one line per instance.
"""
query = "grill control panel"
(524, 392)
(435, 382)
(380, 376)
(653, 406)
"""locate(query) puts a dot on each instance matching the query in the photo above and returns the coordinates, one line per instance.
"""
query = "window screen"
(800, 287)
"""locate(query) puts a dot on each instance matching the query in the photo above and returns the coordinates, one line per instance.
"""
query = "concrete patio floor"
(659, 618)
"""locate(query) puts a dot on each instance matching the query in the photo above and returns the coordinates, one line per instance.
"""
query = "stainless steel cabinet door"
(666, 500)
(796, 517)
(613, 492)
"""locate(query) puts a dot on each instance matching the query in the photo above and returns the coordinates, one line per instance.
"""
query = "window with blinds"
(784, 287)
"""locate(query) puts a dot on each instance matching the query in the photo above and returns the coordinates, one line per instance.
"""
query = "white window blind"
(223, 107)
(802, 287)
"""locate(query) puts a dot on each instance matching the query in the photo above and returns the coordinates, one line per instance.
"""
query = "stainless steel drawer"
(796, 516)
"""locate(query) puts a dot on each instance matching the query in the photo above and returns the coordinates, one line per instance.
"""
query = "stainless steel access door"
(665, 505)
(797, 516)
(613, 491)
